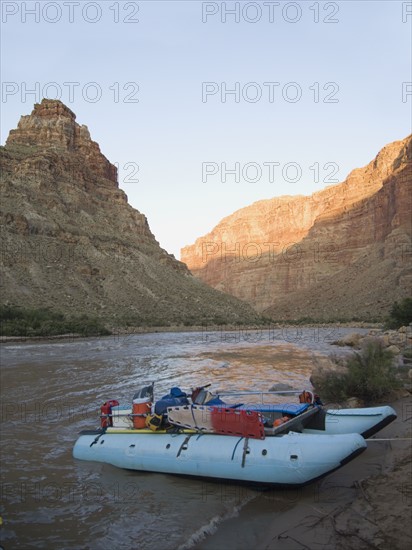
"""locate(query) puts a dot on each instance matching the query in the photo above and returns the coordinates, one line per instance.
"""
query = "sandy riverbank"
(366, 504)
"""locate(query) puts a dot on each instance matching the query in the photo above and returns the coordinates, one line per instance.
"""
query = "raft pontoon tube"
(292, 459)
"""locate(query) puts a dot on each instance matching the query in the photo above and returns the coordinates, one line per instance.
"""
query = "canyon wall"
(72, 243)
(344, 252)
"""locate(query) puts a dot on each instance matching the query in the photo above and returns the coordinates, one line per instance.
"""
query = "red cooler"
(141, 408)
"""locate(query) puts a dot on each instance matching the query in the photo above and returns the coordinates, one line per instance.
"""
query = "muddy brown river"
(52, 390)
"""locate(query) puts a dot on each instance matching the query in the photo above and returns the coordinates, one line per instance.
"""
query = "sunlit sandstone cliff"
(342, 252)
(71, 241)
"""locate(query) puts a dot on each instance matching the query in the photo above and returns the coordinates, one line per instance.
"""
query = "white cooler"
(120, 418)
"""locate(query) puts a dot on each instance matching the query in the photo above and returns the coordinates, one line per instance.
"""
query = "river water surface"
(52, 390)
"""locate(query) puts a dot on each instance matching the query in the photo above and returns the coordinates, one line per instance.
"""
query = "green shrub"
(333, 387)
(18, 321)
(400, 314)
(369, 375)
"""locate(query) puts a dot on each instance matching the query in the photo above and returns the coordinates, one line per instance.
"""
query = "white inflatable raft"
(291, 459)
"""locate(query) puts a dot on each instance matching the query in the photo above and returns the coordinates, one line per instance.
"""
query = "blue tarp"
(283, 408)
(175, 398)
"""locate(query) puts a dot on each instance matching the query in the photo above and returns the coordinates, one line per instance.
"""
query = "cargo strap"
(245, 451)
(96, 439)
(234, 450)
(183, 446)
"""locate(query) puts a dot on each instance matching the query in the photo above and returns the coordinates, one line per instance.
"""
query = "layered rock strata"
(71, 241)
(341, 253)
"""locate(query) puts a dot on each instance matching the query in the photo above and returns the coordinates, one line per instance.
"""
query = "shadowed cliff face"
(70, 240)
(342, 252)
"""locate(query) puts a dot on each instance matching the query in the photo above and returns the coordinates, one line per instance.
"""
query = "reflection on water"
(51, 391)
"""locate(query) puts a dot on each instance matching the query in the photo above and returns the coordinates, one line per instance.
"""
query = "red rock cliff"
(342, 252)
(71, 241)
(52, 125)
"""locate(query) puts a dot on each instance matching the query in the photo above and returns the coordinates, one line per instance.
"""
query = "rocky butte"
(71, 241)
(342, 253)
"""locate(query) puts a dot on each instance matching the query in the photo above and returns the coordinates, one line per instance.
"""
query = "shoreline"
(121, 331)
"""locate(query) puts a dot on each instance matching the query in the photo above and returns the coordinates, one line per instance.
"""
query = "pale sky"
(287, 97)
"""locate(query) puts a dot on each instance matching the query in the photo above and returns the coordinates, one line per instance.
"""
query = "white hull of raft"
(365, 421)
(291, 459)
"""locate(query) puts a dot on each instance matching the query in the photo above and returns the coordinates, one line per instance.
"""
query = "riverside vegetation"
(380, 365)
(400, 314)
(368, 375)
(18, 321)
